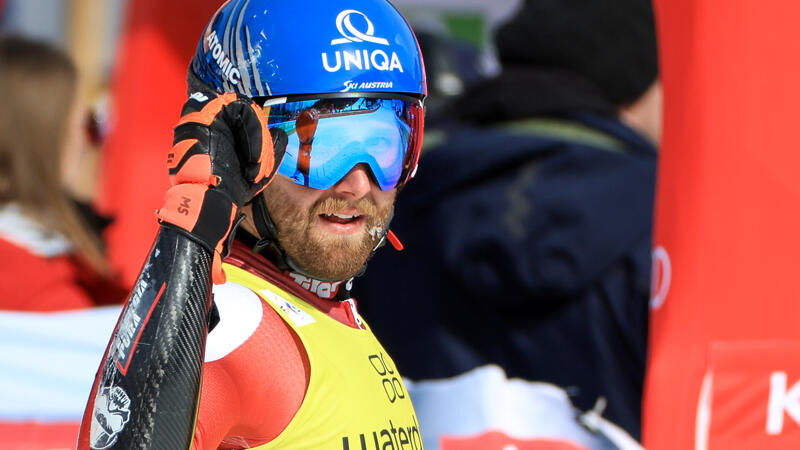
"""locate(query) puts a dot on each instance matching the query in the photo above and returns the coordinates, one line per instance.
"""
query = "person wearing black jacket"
(528, 227)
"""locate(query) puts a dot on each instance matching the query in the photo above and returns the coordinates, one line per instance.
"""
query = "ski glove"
(223, 155)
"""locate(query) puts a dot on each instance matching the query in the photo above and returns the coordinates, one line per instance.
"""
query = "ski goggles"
(328, 136)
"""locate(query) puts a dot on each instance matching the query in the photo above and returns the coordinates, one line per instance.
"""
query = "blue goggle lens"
(330, 136)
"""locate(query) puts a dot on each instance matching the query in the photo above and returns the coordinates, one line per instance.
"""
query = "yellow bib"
(355, 400)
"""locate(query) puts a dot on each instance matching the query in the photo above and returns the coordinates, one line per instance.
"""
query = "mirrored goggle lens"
(330, 136)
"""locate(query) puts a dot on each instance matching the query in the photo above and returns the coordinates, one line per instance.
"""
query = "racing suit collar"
(242, 256)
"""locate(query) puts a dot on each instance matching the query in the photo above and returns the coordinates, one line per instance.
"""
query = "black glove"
(223, 155)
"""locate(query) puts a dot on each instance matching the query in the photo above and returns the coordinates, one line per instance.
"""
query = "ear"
(644, 114)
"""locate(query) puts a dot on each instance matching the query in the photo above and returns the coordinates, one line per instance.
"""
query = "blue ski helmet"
(268, 48)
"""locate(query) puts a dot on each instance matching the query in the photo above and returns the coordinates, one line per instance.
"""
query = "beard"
(320, 254)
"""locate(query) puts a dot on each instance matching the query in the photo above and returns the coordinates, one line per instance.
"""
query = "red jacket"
(29, 282)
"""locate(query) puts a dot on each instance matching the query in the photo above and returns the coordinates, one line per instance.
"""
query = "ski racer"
(288, 361)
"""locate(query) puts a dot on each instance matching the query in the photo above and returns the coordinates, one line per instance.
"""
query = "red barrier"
(149, 88)
(500, 440)
(727, 221)
(38, 435)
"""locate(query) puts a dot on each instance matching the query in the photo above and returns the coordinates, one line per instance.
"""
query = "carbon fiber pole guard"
(147, 390)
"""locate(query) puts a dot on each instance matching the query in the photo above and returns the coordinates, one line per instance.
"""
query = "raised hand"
(223, 155)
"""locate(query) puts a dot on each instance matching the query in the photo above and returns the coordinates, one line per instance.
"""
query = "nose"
(356, 184)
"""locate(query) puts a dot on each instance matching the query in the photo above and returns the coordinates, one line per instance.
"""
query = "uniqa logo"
(361, 59)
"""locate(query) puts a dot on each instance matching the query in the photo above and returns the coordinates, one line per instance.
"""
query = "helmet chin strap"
(269, 246)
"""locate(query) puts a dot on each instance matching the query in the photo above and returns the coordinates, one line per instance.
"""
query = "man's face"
(330, 233)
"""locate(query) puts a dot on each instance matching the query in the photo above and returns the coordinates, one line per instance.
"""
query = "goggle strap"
(263, 221)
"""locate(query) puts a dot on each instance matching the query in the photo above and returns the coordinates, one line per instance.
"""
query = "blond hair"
(40, 87)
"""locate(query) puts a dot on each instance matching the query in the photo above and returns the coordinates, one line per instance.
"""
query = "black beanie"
(610, 42)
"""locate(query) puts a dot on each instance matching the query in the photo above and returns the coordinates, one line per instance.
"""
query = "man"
(528, 228)
(288, 361)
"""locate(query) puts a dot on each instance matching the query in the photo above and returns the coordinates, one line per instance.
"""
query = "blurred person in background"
(528, 233)
(451, 66)
(51, 251)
